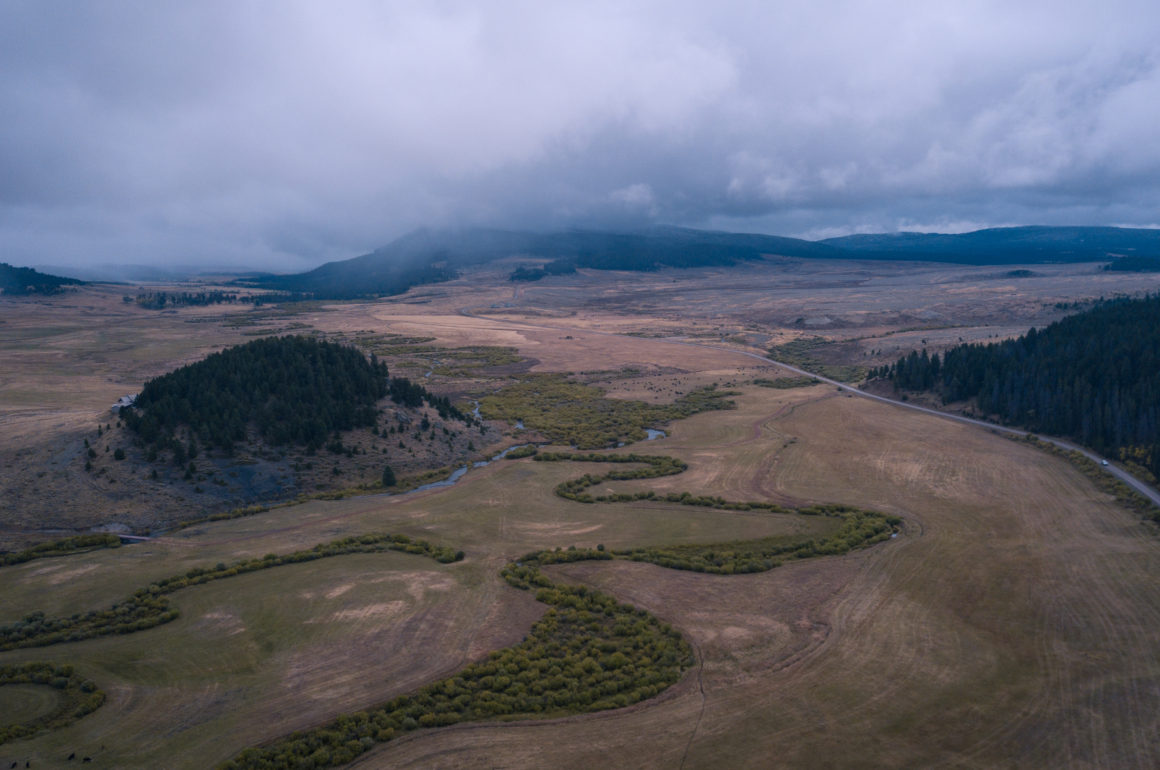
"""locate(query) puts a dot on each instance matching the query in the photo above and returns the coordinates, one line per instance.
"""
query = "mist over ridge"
(281, 137)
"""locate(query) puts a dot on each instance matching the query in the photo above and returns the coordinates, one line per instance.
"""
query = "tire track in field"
(701, 690)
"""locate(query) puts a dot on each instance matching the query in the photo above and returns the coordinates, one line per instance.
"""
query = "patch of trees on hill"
(292, 390)
(356, 280)
(555, 267)
(1093, 377)
(407, 393)
(21, 281)
(1133, 265)
(160, 300)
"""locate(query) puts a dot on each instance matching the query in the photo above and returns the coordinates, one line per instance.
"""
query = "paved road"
(1116, 471)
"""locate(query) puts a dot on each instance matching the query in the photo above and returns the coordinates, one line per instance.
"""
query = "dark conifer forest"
(1093, 377)
(19, 281)
(291, 390)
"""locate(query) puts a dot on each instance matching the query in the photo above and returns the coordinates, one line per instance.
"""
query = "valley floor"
(1013, 622)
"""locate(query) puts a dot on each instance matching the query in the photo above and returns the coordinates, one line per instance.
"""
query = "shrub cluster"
(859, 528)
(574, 489)
(809, 353)
(1104, 481)
(148, 607)
(588, 653)
(786, 383)
(79, 697)
(61, 547)
(580, 415)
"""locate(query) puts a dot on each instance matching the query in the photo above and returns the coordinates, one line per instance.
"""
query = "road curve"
(1133, 482)
(1116, 471)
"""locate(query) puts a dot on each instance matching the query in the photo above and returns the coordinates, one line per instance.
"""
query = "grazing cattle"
(72, 756)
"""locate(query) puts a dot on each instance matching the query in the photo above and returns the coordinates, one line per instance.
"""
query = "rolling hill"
(429, 256)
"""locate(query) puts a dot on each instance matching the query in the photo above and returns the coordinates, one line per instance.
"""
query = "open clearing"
(1014, 622)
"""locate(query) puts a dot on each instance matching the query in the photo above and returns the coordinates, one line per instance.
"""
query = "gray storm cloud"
(283, 134)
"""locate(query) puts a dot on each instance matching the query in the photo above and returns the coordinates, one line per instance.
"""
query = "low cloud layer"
(284, 134)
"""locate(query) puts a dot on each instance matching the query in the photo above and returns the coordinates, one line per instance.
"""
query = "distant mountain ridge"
(428, 256)
(1007, 245)
(431, 256)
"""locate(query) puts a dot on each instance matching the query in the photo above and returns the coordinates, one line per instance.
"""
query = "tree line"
(159, 300)
(1093, 377)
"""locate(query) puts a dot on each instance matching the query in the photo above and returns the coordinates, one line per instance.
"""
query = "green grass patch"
(859, 528)
(149, 606)
(72, 697)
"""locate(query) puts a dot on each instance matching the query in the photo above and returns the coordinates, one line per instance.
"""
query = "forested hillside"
(18, 281)
(1093, 377)
(292, 390)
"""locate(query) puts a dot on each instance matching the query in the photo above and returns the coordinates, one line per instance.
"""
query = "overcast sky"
(283, 134)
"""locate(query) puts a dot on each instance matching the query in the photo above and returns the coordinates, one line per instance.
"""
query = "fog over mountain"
(281, 135)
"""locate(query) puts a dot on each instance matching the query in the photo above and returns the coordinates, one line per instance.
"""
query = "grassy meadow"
(1014, 620)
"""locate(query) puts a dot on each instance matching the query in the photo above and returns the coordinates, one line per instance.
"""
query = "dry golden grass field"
(1013, 622)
